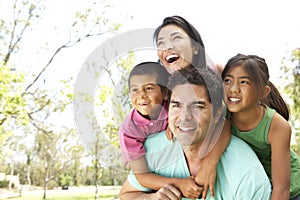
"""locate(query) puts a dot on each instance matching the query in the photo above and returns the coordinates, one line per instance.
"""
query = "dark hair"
(153, 69)
(199, 59)
(257, 69)
(207, 78)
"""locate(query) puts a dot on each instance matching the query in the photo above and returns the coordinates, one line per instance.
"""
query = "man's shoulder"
(156, 139)
(240, 153)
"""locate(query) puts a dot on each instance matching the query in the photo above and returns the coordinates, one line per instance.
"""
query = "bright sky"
(267, 28)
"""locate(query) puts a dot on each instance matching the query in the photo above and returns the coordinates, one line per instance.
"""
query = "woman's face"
(175, 49)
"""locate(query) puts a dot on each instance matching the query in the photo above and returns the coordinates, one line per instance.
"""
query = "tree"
(291, 89)
(26, 100)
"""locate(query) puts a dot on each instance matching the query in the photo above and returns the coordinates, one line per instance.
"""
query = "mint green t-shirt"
(258, 141)
(240, 175)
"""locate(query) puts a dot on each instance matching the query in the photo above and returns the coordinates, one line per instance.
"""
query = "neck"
(246, 121)
(192, 155)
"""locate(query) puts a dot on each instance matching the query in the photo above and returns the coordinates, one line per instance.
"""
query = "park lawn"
(75, 197)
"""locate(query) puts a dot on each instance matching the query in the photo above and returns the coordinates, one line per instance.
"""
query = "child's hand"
(189, 188)
(170, 135)
(206, 177)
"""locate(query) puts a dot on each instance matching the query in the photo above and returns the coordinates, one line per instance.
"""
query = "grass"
(77, 197)
(109, 194)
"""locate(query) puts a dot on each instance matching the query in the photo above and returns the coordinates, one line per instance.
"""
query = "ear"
(165, 94)
(267, 91)
(195, 50)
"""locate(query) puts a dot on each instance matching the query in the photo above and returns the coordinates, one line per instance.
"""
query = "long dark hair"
(199, 59)
(257, 69)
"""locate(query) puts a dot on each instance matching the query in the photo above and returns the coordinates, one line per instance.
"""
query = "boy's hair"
(151, 68)
(202, 77)
(257, 69)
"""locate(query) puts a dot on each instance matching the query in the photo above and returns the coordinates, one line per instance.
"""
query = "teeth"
(233, 99)
(172, 58)
(187, 128)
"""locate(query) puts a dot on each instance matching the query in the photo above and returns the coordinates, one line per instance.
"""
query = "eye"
(174, 105)
(227, 80)
(198, 106)
(133, 90)
(149, 88)
(160, 44)
(176, 37)
(245, 82)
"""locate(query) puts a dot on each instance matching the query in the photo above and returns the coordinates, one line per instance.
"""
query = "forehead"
(189, 93)
(170, 29)
(238, 71)
(143, 79)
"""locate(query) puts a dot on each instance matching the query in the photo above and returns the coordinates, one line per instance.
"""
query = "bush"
(51, 184)
(4, 184)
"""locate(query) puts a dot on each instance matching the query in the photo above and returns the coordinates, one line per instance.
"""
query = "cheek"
(160, 54)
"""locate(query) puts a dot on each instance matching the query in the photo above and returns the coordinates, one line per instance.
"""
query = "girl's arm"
(279, 137)
(187, 186)
(207, 172)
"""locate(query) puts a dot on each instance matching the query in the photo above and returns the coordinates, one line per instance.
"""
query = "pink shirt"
(135, 129)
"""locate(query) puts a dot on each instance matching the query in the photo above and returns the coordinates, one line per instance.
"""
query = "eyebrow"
(172, 34)
(240, 77)
(194, 102)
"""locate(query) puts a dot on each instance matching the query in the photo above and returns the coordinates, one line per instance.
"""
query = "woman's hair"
(198, 59)
(257, 69)
(154, 69)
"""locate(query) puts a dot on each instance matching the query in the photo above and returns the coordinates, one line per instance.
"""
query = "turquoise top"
(240, 175)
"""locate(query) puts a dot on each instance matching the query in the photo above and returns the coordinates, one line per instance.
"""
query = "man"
(195, 117)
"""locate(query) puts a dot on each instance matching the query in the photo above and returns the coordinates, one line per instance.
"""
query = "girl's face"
(146, 95)
(239, 90)
(175, 49)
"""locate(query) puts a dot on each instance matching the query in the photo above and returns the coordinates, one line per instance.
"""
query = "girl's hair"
(154, 69)
(198, 59)
(257, 69)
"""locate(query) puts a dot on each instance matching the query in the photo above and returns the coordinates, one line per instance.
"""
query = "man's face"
(190, 114)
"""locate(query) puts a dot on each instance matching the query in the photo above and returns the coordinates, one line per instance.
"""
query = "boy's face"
(190, 113)
(146, 96)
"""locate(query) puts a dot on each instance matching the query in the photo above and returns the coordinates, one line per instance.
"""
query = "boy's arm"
(187, 186)
(207, 172)
(166, 192)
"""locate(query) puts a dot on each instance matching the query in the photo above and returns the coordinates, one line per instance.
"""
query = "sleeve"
(132, 148)
(134, 182)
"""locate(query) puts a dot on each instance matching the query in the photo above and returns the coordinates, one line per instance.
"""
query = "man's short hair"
(206, 77)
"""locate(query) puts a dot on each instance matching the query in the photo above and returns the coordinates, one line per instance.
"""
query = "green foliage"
(65, 179)
(291, 90)
(4, 184)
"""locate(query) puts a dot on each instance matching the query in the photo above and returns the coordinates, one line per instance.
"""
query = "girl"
(259, 116)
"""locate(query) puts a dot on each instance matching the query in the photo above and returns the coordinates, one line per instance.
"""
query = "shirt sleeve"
(135, 183)
(132, 148)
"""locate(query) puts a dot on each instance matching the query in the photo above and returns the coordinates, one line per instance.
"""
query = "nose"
(186, 113)
(167, 46)
(141, 93)
(234, 88)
